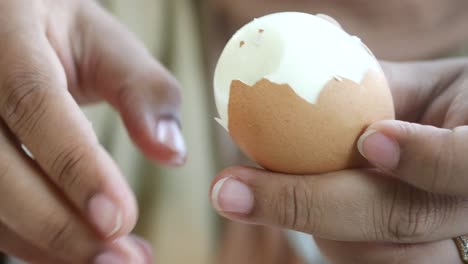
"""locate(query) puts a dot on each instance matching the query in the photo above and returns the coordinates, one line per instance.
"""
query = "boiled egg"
(295, 92)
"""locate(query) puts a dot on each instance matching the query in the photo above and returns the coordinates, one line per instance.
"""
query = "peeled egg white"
(295, 91)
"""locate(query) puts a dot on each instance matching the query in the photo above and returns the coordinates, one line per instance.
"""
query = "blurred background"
(187, 36)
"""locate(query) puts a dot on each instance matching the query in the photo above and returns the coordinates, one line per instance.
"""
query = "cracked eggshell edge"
(298, 49)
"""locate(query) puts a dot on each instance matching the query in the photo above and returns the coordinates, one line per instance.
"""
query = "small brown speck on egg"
(338, 78)
(261, 30)
(242, 43)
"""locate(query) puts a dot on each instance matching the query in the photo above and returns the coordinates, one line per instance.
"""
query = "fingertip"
(380, 149)
(149, 99)
(231, 193)
(130, 215)
(160, 139)
(144, 247)
(166, 156)
(111, 219)
(393, 128)
(172, 146)
(361, 140)
(124, 250)
(232, 196)
(126, 206)
(215, 192)
(105, 214)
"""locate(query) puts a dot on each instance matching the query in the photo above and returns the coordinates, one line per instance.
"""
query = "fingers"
(13, 245)
(145, 249)
(128, 249)
(125, 74)
(26, 195)
(57, 234)
(37, 108)
(346, 205)
(37, 224)
(362, 253)
(415, 84)
(425, 156)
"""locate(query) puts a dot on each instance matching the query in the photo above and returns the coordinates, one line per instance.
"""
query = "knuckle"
(24, 101)
(443, 171)
(293, 208)
(57, 235)
(162, 90)
(167, 88)
(124, 95)
(407, 129)
(66, 168)
(411, 216)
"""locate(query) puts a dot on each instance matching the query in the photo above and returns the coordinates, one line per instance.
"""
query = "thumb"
(427, 157)
(118, 68)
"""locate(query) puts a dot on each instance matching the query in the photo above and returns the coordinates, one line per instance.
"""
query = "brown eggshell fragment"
(283, 132)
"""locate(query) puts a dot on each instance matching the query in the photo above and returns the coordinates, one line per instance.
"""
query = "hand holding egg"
(418, 195)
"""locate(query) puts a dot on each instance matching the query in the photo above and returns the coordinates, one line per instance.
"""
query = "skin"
(70, 203)
(406, 209)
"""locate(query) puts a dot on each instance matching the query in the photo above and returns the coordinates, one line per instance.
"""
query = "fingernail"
(168, 133)
(379, 149)
(232, 196)
(145, 248)
(132, 250)
(105, 215)
(109, 258)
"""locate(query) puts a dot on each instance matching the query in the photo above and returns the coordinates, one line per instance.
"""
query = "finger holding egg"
(295, 92)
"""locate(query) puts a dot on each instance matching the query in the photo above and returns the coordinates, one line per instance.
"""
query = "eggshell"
(283, 132)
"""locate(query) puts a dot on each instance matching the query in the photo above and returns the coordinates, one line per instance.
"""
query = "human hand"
(70, 202)
(411, 205)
